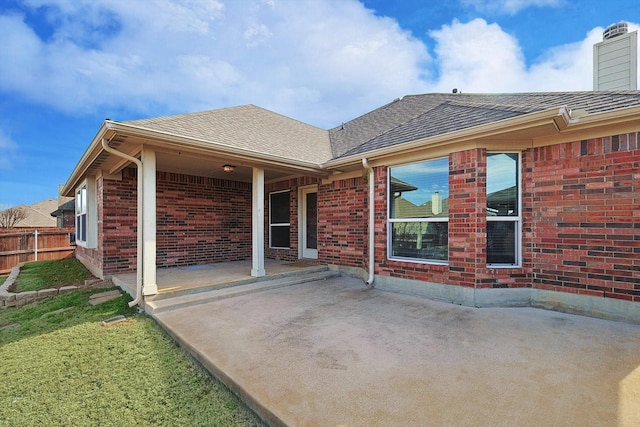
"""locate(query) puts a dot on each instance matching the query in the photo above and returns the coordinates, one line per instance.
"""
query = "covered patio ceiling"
(212, 167)
(197, 161)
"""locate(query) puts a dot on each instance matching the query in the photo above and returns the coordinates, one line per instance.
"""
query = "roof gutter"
(372, 267)
(140, 251)
(559, 117)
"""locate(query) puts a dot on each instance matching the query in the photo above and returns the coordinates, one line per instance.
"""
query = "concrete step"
(176, 292)
(272, 282)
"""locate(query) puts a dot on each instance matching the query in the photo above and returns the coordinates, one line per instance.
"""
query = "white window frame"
(391, 221)
(517, 219)
(283, 224)
(81, 215)
(86, 206)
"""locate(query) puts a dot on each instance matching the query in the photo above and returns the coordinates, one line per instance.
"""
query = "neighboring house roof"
(398, 185)
(69, 206)
(38, 214)
(403, 208)
(248, 127)
(415, 117)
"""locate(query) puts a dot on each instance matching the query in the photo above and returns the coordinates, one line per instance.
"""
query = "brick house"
(525, 199)
(65, 215)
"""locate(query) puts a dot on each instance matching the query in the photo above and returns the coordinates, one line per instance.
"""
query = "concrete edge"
(584, 305)
(11, 299)
(4, 289)
(123, 286)
(458, 295)
(225, 378)
(356, 272)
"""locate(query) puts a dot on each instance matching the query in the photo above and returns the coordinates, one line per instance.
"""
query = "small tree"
(10, 217)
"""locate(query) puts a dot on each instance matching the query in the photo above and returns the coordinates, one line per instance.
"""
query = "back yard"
(62, 365)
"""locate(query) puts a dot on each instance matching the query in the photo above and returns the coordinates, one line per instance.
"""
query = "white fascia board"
(558, 116)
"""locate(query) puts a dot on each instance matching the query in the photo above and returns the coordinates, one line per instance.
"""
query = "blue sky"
(67, 65)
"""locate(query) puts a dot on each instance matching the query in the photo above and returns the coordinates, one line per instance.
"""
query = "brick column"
(467, 216)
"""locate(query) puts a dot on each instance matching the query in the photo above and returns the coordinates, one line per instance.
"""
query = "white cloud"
(510, 7)
(323, 62)
(480, 57)
(477, 57)
(316, 61)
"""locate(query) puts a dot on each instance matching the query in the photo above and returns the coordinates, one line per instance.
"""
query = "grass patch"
(65, 368)
(38, 275)
(38, 318)
(2, 279)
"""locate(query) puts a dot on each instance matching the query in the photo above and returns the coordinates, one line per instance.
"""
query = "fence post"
(35, 244)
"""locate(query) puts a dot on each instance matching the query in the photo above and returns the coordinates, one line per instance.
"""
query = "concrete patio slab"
(335, 353)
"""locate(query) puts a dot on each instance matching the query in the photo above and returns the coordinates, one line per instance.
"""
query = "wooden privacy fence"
(17, 246)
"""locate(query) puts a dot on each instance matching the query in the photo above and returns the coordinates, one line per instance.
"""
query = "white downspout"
(372, 267)
(139, 254)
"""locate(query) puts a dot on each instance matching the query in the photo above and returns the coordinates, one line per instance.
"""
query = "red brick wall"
(201, 220)
(342, 223)
(467, 228)
(467, 216)
(66, 219)
(585, 233)
(580, 222)
(117, 222)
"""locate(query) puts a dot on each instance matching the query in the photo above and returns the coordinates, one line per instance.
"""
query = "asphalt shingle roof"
(421, 116)
(251, 128)
(406, 119)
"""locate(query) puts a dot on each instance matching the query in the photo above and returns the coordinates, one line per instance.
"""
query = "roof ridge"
(493, 106)
(193, 113)
(215, 110)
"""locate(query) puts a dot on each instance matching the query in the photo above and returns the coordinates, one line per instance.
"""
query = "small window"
(419, 211)
(279, 220)
(81, 214)
(503, 209)
(86, 214)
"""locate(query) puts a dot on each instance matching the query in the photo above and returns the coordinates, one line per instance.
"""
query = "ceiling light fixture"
(228, 168)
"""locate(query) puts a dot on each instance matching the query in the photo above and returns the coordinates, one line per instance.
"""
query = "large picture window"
(503, 209)
(419, 211)
(279, 220)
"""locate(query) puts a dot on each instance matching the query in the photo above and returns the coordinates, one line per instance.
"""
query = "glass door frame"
(304, 252)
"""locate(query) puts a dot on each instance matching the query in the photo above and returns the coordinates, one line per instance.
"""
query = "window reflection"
(419, 210)
(503, 216)
(502, 189)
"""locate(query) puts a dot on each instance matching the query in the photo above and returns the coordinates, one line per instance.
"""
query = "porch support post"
(257, 229)
(150, 285)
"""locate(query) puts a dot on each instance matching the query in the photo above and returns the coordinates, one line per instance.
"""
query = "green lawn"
(60, 366)
(2, 279)
(50, 274)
